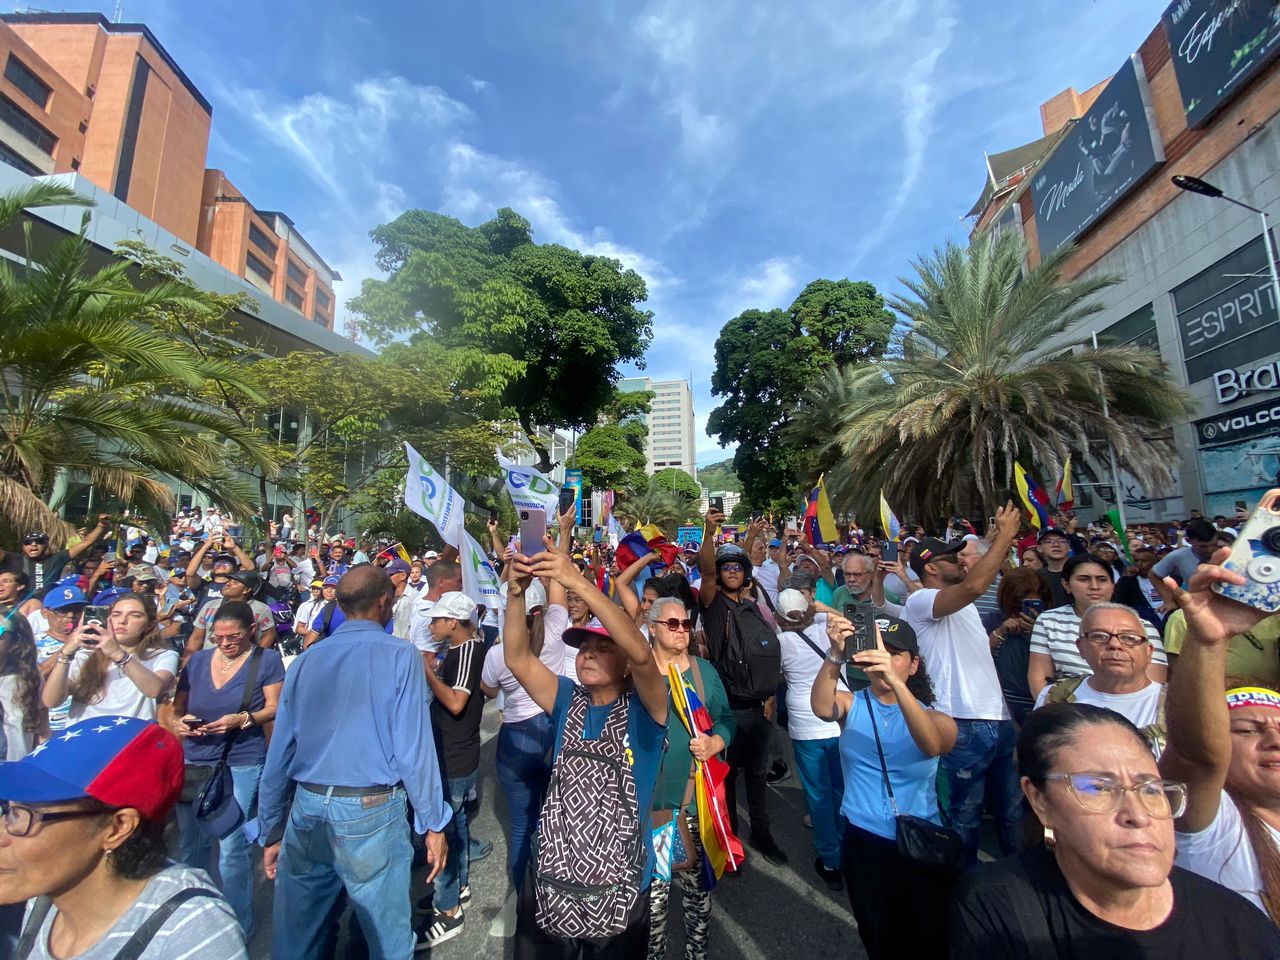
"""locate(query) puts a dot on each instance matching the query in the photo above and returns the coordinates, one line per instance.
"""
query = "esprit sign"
(1232, 385)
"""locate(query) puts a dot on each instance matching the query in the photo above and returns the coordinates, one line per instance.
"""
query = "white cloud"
(478, 85)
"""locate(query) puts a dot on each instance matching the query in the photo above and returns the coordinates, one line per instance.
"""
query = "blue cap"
(331, 581)
(107, 597)
(60, 597)
(775, 542)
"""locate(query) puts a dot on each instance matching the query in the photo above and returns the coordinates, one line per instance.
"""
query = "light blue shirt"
(354, 713)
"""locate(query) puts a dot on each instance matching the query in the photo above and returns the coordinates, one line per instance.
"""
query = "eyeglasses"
(31, 538)
(673, 624)
(237, 637)
(1162, 799)
(1103, 637)
(730, 568)
(22, 821)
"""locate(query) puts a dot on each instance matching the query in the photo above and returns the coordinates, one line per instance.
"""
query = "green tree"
(658, 504)
(535, 331)
(765, 359)
(720, 476)
(679, 482)
(611, 454)
(987, 378)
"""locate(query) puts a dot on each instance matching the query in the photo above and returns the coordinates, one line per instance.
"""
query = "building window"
(319, 318)
(296, 274)
(258, 267)
(1137, 329)
(17, 73)
(293, 297)
(16, 117)
(260, 240)
(322, 298)
(7, 155)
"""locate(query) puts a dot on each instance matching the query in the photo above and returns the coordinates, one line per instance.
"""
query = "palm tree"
(86, 385)
(658, 504)
(985, 378)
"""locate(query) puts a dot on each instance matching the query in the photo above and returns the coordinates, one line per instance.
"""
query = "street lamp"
(1206, 189)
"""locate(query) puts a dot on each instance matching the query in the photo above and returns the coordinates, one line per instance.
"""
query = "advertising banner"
(528, 489)
(1217, 46)
(1107, 153)
(688, 535)
(573, 479)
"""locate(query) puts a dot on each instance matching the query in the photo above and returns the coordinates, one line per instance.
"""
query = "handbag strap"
(39, 910)
(884, 769)
(143, 936)
(250, 679)
(814, 647)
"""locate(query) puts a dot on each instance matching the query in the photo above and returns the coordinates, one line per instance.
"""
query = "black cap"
(898, 635)
(930, 548)
(1051, 532)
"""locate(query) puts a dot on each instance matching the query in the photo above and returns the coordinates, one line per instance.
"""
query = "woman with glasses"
(1103, 883)
(670, 627)
(207, 717)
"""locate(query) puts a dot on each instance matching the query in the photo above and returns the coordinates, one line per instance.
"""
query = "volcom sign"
(1232, 385)
(1258, 421)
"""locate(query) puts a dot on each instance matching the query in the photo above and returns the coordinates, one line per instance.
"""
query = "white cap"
(455, 604)
(431, 555)
(791, 604)
(535, 596)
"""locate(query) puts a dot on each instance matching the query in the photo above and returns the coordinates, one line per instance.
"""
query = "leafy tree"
(720, 476)
(985, 379)
(611, 454)
(92, 386)
(679, 482)
(765, 359)
(658, 504)
(535, 331)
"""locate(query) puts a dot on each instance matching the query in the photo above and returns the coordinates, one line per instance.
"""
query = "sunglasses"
(730, 568)
(674, 625)
(34, 538)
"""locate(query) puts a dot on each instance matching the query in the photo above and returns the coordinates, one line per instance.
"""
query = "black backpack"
(750, 662)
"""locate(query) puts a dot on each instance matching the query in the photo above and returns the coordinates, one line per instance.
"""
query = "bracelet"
(248, 720)
(64, 659)
(123, 660)
(838, 662)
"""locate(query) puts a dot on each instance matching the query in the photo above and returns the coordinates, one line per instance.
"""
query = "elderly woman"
(1103, 883)
(610, 730)
(670, 624)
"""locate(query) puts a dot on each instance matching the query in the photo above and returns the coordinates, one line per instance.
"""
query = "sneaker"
(443, 927)
(477, 850)
(770, 850)
(834, 879)
(778, 772)
(464, 898)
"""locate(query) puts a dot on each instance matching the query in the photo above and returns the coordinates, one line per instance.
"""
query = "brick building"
(1198, 97)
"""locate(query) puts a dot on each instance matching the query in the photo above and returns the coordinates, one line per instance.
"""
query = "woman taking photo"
(1009, 629)
(117, 670)
(889, 894)
(669, 629)
(610, 729)
(1054, 654)
(26, 720)
(209, 719)
(1103, 883)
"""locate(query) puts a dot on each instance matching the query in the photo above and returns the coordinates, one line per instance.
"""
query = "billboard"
(1217, 45)
(1106, 154)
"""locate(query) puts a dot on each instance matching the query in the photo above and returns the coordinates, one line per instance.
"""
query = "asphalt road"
(766, 911)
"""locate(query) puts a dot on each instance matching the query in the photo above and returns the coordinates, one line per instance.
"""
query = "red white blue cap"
(119, 761)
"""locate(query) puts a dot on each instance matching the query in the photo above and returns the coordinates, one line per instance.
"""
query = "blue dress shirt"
(354, 713)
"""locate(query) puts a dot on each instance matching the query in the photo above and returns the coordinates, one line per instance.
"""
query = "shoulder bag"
(216, 810)
(920, 841)
(135, 945)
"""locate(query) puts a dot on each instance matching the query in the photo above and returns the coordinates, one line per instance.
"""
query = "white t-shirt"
(800, 666)
(767, 576)
(895, 585)
(569, 662)
(1222, 853)
(420, 627)
(957, 655)
(402, 615)
(518, 704)
(1055, 634)
(121, 697)
(307, 611)
(18, 741)
(1139, 707)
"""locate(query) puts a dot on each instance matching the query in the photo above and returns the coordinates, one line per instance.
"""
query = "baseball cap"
(119, 761)
(455, 604)
(775, 542)
(898, 634)
(791, 604)
(61, 597)
(577, 636)
(931, 548)
(143, 572)
(535, 596)
(1050, 532)
(317, 583)
(331, 581)
(396, 566)
(431, 555)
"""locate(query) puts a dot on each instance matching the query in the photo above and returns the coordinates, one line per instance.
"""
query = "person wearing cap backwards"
(892, 897)
(83, 819)
(956, 647)
(353, 732)
(241, 585)
(43, 566)
(610, 731)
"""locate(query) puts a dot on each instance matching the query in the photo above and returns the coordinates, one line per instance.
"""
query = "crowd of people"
(1074, 702)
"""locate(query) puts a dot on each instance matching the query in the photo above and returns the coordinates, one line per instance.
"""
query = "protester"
(864, 581)
(1009, 629)
(318, 593)
(62, 611)
(406, 600)
(654, 588)
(25, 718)
(1202, 541)
(1054, 546)
(442, 577)
(610, 732)
(1032, 559)
(674, 803)
(891, 738)
(83, 840)
(43, 567)
(220, 719)
(1135, 589)
(326, 616)
(241, 586)
(207, 584)
(1103, 883)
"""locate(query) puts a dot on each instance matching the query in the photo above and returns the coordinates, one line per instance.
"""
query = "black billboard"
(1104, 156)
(1227, 313)
(1217, 45)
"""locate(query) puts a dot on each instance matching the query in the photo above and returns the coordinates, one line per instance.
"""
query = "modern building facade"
(670, 422)
(1199, 97)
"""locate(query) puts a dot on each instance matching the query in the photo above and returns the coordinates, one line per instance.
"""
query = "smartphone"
(1256, 554)
(193, 722)
(757, 514)
(96, 615)
(991, 522)
(860, 614)
(1241, 506)
(493, 516)
(533, 528)
(717, 503)
(1032, 608)
(598, 535)
(568, 497)
(890, 551)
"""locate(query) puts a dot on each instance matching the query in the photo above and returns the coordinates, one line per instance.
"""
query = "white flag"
(479, 579)
(429, 495)
(529, 489)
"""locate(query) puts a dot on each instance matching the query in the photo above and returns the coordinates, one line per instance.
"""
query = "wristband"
(123, 660)
(838, 662)
(64, 659)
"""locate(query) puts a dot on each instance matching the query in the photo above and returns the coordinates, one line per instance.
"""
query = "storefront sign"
(1260, 420)
(1104, 157)
(1217, 46)
(1232, 385)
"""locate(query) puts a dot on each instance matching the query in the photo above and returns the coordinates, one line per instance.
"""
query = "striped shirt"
(1055, 634)
(202, 927)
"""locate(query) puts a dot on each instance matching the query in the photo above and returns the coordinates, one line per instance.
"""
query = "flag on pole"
(527, 488)
(892, 528)
(1113, 516)
(479, 579)
(429, 495)
(1065, 497)
(1033, 498)
(819, 524)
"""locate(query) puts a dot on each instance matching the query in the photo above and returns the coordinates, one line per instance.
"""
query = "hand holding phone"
(716, 503)
(890, 551)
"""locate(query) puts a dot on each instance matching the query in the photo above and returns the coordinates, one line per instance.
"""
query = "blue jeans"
(980, 767)
(523, 772)
(235, 862)
(357, 843)
(457, 868)
(821, 777)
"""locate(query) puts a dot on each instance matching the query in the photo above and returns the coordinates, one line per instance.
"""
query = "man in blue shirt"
(353, 731)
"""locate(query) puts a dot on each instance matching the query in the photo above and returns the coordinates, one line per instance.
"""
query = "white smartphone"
(533, 528)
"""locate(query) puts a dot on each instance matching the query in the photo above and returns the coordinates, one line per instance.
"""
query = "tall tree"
(986, 378)
(536, 330)
(679, 482)
(765, 359)
(611, 454)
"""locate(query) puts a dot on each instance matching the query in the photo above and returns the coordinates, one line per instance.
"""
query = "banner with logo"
(479, 579)
(429, 495)
(528, 488)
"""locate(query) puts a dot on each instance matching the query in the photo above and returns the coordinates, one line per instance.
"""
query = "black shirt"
(1056, 587)
(46, 571)
(715, 627)
(1021, 907)
(458, 736)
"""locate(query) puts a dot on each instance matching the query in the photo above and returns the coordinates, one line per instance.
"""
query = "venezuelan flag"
(892, 528)
(1065, 497)
(640, 541)
(819, 524)
(1033, 498)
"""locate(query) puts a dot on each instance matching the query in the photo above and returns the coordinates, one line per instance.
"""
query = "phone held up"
(568, 498)
(96, 615)
(890, 551)
(860, 614)
(717, 504)
(1032, 608)
(533, 529)
(1256, 554)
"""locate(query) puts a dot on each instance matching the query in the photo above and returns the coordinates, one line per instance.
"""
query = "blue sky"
(730, 152)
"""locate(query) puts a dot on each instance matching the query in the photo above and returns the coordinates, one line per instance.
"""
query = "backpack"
(750, 661)
(1064, 691)
(589, 850)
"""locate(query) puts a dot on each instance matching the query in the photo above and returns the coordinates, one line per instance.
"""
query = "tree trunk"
(544, 455)
(262, 492)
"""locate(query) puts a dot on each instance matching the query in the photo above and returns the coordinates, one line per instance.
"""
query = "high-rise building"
(670, 422)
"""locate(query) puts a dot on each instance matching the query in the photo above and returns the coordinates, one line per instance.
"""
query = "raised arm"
(707, 557)
(92, 537)
(957, 596)
(630, 602)
(193, 567)
(933, 732)
(530, 672)
(246, 561)
(826, 701)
